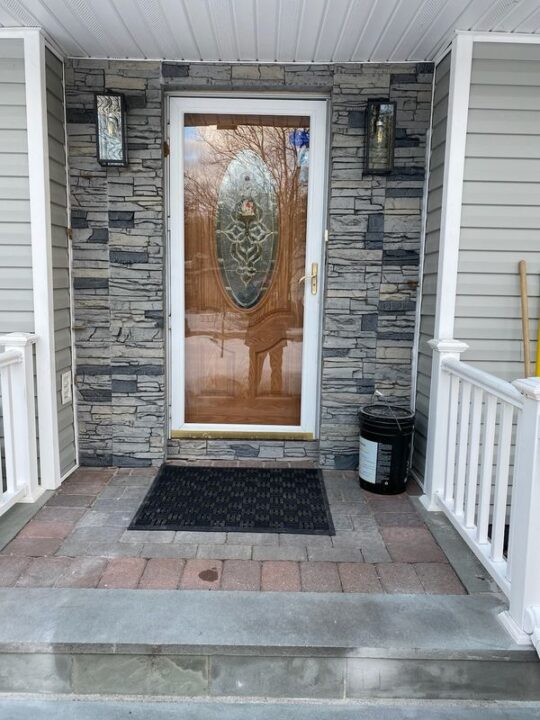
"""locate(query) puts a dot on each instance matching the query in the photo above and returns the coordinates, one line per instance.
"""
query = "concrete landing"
(360, 625)
(136, 710)
(308, 646)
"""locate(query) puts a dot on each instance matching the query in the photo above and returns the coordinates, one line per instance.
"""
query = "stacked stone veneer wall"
(119, 251)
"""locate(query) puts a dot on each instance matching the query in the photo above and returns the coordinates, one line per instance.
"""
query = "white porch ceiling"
(266, 30)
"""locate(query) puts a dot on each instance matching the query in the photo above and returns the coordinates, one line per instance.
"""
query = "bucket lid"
(394, 413)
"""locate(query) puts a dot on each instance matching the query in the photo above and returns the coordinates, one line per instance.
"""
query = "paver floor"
(80, 539)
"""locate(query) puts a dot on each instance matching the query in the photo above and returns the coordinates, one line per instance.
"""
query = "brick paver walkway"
(79, 539)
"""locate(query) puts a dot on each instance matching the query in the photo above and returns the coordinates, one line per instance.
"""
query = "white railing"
(18, 447)
(476, 495)
(483, 471)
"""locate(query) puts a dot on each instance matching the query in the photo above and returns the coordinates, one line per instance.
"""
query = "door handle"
(314, 277)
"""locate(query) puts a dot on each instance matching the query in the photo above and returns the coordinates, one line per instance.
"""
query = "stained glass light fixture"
(111, 137)
(380, 136)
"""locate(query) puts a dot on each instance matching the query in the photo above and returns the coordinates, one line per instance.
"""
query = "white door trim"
(316, 110)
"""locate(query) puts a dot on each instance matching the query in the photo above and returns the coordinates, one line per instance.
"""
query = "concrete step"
(60, 709)
(263, 645)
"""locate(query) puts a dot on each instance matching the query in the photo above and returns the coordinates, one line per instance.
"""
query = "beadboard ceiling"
(266, 30)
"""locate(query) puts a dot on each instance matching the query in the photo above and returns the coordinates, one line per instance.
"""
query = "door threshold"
(239, 435)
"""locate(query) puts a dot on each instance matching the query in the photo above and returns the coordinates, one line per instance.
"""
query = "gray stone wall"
(118, 261)
(119, 276)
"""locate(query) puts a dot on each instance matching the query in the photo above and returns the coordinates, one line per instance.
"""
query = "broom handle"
(525, 317)
(538, 352)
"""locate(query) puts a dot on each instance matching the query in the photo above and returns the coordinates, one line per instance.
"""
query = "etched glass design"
(246, 228)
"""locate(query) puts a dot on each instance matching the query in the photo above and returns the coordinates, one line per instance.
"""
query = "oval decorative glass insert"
(246, 228)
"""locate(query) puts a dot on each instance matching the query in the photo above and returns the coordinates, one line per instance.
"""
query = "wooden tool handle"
(525, 317)
(538, 352)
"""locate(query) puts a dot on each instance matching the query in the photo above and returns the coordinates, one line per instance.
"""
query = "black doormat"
(209, 499)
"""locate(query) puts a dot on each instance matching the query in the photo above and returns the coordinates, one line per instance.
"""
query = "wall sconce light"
(380, 136)
(111, 138)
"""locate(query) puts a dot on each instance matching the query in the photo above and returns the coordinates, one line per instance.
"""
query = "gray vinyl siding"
(60, 254)
(500, 222)
(431, 258)
(16, 296)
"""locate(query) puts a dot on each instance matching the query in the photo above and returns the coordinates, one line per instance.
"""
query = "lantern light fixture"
(380, 137)
(111, 135)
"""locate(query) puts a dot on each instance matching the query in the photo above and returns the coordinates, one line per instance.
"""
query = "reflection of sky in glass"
(239, 366)
(192, 149)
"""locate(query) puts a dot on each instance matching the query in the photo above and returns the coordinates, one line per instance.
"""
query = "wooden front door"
(246, 263)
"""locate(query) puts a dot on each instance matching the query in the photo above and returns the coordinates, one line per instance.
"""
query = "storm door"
(246, 206)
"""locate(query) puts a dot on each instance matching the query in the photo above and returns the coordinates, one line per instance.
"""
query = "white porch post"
(40, 218)
(444, 346)
(21, 423)
(439, 410)
(523, 616)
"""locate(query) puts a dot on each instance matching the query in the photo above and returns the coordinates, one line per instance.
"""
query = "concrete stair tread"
(60, 709)
(43, 619)
(296, 646)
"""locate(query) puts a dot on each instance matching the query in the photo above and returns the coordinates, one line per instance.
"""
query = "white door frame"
(316, 110)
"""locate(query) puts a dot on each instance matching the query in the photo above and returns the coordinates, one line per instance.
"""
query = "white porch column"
(42, 274)
(439, 407)
(444, 346)
(524, 612)
(22, 415)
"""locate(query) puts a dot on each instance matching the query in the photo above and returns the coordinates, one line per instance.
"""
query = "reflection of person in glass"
(245, 209)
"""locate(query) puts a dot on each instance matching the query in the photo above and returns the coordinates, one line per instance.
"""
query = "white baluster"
(452, 433)
(474, 451)
(437, 440)
(501, 482)
(486, 475)
(9, 429)
(463, 443)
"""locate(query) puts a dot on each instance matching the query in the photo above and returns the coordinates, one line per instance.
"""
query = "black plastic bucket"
(385, 444)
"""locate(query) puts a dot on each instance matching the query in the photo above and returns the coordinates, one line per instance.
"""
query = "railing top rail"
(18, 339)
(10, 357)
(505, 391)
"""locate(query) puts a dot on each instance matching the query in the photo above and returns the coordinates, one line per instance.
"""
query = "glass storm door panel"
(245, 213)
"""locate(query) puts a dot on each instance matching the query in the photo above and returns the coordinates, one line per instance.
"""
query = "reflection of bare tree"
(216, 148)
(243, 365)
(272, 144)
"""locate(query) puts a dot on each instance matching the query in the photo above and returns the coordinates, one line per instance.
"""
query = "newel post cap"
(448, 345)
(17, 339)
